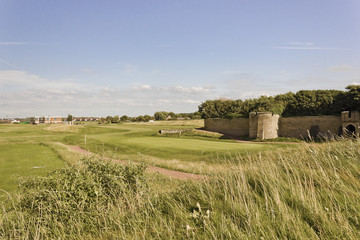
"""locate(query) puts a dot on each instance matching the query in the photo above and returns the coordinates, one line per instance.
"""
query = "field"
(25, 149)
(252, 190)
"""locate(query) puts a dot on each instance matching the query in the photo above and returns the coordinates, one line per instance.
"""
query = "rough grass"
(198, 123)
(311, 192)
(63, 128)
(140, 142)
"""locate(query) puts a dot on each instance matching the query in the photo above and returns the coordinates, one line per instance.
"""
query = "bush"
(72, 200)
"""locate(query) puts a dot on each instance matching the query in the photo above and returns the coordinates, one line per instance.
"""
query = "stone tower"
(263, 125)
(350, 123)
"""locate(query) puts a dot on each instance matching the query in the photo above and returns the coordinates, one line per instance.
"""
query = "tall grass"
(312, 192)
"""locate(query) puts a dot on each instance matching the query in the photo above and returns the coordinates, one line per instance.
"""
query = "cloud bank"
(24, 94)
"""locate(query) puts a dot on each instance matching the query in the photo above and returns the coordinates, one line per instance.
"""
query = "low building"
(53, 119)
(44, 119)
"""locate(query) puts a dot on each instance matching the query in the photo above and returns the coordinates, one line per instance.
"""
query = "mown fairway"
(138, 139)
(254, 191)
(24, 148)
(25, 160)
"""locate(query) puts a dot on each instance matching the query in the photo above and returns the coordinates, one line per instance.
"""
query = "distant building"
(44, 119)
(53, 119)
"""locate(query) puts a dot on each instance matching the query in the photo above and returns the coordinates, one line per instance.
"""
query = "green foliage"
(116, 119)
(124, 118)
(70, 196)
(69, 118)
(316, 102)
(302, 103)
(147, 118)
(353, 97)
(140, 119)
(311, 192)
(160, 115)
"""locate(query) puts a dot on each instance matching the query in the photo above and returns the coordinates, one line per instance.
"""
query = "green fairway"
(19, 160)
(23, 151)
(132, 140)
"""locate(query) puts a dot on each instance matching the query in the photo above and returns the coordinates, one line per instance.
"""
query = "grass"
(20, 160)
(141, 142)
(63, 128)
(196, 151)
(310, 192)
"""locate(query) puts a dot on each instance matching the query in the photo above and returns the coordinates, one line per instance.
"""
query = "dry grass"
(198, 123)
(63, 128)
(311, 192)
(70, 156)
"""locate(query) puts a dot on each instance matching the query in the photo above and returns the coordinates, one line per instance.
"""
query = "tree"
(140, 119)
(124, 118)
(172, 115)
(109, 119)
(353, 97)
(147, 118)
(69, 118)
(116, 119)
(102, 120)
(160, 115)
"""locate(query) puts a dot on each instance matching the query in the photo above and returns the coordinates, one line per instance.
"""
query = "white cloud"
(308, 44)
(191, 101)
(87, 70)
(22, 80)
(24, 94)
(341, 68)
(192, 90)
(175, 89)
(144, 87)
(130, 68)
(312, 48)
(13, 43)
(232, 72)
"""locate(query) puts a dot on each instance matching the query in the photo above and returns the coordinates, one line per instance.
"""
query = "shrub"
(72, 200)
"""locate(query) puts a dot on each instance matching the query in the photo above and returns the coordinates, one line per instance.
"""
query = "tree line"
(162, 115)
(301, 103)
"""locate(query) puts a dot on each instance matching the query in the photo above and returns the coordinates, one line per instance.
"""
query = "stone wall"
(173, 131)
(267, 126)
(236, 127)
(351, 123)
(263, 125)
(301, 127)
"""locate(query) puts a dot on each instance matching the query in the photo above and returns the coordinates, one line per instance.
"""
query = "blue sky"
(99, 58)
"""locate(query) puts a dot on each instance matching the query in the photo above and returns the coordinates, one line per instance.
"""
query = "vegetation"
(141, 142)
(159, 116)
(302, 103)
(25, 159)
(312, 192)
(63, 128)
(23, 147)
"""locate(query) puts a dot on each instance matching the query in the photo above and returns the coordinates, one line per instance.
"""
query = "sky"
(136, 57)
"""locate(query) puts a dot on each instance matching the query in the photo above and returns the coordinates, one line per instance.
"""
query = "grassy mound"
(63, 128)
(309, 193)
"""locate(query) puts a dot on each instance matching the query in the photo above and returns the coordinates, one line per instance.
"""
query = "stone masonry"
(265, 125)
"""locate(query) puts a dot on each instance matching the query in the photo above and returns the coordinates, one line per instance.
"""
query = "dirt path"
(163, 171)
